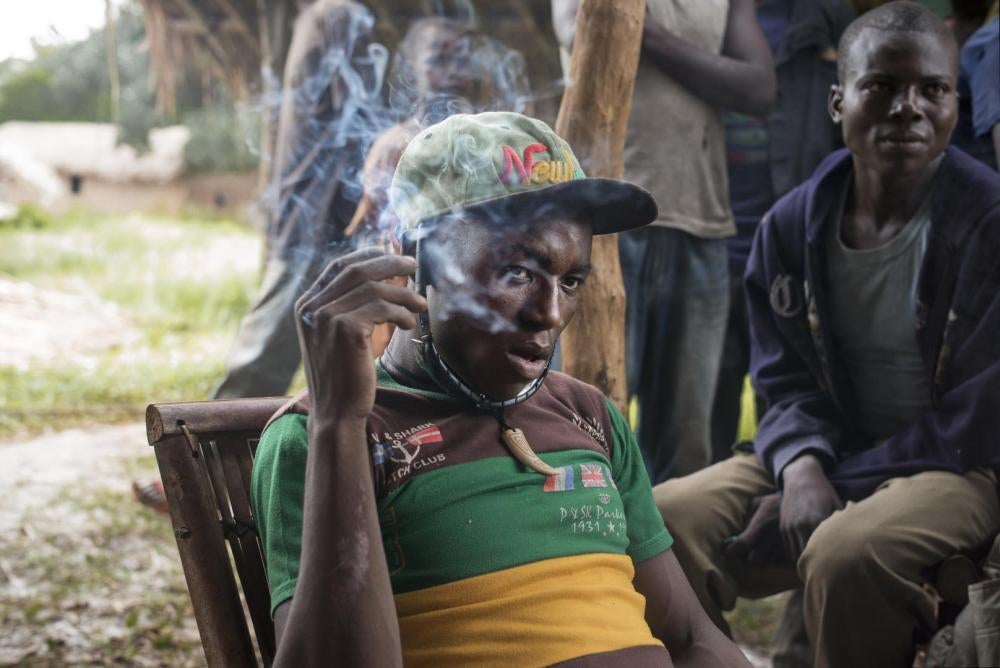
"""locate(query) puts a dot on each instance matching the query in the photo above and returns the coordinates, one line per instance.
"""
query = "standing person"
(698, 59)
(433, 67)
(331, 110)
(404, 515)
(874, 313)
(433, 79)
(977, 30)
(766, 158)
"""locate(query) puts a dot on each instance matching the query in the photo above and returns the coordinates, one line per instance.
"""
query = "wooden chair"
(205, 454)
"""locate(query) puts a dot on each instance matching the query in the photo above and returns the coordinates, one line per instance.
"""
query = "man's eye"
(876, 87)
(935, 89)
(571, 283)
(517, 273)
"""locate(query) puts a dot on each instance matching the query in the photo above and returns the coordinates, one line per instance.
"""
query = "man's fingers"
(376, 269)
(341, 278)
(373, 290)
(367, 314)
(381, 311)
(795, 539)
(741, 544)
(761, 511)
(788, 542)
(337, 265)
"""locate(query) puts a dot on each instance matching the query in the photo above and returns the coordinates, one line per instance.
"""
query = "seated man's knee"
(710, 505)
(839, 552)
(681, 505)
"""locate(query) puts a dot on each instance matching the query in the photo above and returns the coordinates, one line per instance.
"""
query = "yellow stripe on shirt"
(532, 615)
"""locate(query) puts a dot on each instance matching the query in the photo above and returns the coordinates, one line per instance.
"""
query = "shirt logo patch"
(593, 428)
(407, 451)
(563, 481)
(786, 297)
(592, 475)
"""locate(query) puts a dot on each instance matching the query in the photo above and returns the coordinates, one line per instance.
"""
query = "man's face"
(898, 104)
(442, 63)
(497, 312)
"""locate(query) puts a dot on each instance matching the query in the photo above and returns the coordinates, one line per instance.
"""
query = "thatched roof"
(233, 40)
(220, 38)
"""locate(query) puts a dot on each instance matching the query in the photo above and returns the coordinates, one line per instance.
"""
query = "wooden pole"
(268, 122)
(111, 54)
(593, 118)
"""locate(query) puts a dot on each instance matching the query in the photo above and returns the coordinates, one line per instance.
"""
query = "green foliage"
(63, 83)
(755, 621)
(70, 82)
(221, 140)
(27, 216)
(27, 93)
(180, 286)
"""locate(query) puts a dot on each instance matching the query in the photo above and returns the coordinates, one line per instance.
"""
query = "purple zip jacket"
(808, 398)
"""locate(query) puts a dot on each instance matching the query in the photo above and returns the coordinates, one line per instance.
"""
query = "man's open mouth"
(529, 361)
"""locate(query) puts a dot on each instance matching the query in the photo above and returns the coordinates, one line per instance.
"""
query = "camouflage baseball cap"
(508, 163)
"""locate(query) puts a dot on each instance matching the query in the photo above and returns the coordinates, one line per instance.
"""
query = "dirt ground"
(39, 325)
(87, 576)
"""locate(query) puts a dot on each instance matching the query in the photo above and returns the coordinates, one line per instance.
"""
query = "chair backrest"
(205, 454)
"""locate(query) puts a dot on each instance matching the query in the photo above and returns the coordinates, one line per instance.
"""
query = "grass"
(178, 286)
(754, 621)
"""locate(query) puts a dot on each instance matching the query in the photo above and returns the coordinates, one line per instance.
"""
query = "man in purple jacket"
(874, 302)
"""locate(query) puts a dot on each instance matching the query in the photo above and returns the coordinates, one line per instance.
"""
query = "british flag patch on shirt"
(592, 475)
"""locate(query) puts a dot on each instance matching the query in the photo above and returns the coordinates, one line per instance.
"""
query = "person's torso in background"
(675, 146)
(751, 192)
(979, 94)
(873, 312)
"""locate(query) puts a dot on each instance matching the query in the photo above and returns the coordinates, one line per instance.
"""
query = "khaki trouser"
(861, 569)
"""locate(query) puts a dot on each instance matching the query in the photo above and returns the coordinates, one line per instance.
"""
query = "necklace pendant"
(521, 449)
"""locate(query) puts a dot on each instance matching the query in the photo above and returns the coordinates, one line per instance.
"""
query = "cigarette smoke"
(341, 92)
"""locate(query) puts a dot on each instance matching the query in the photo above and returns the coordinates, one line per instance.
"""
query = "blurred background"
(137, 148)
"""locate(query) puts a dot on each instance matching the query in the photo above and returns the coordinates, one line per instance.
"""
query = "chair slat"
(233, 454)
(194, 515)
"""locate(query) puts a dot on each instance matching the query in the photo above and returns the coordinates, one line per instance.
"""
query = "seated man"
(874, 300)
(404, 512)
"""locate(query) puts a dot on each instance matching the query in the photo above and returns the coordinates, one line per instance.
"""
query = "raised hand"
(335, 319)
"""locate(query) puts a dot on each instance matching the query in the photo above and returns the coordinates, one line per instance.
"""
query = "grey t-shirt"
(676, 142)
(873, 296)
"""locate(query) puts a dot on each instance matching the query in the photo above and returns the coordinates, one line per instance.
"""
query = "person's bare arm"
(676, 617)
(280, 620)
(342, 610)
(564, 21)
(741, 78)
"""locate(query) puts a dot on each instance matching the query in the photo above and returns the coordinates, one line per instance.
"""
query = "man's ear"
(835, 103)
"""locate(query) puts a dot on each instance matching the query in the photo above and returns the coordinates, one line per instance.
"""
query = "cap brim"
(609, 204)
